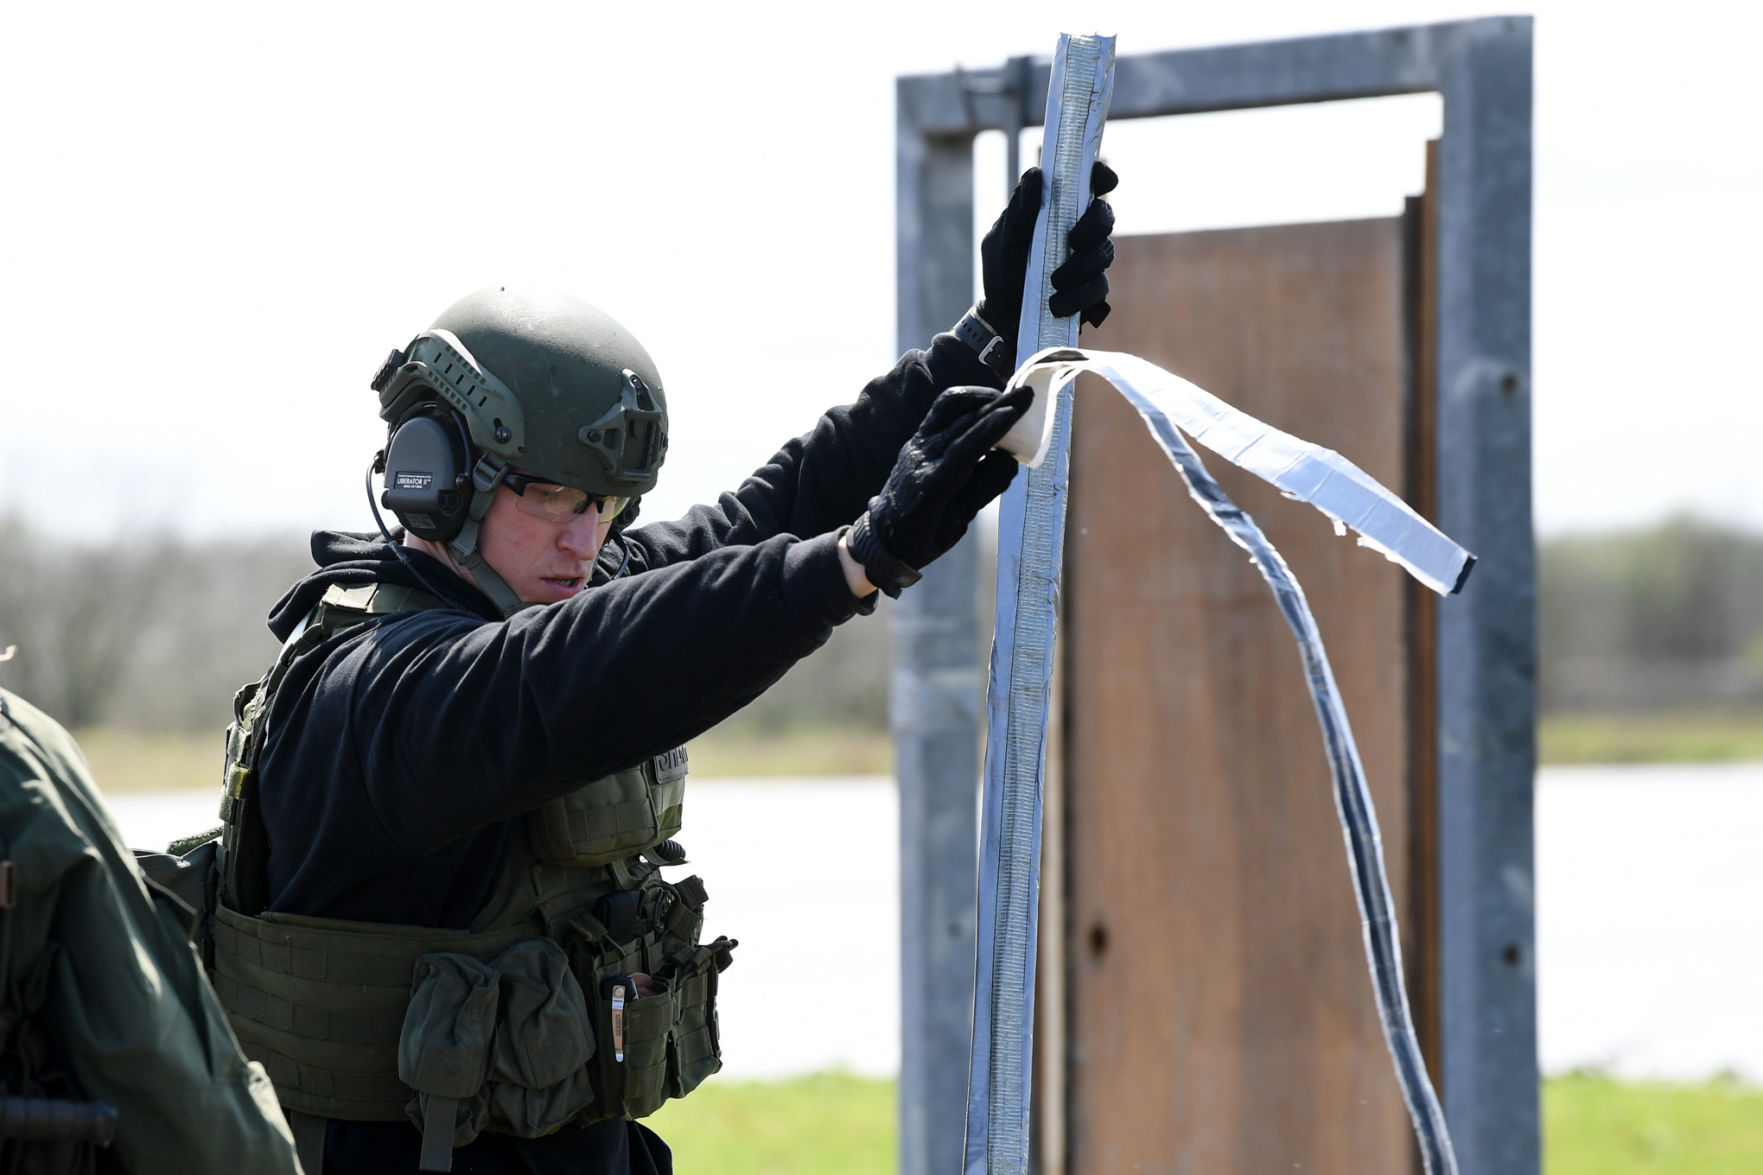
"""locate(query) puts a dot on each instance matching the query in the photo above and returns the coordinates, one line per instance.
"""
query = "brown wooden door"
(1217, 1014)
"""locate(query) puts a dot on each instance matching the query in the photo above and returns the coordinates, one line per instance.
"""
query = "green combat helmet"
(540, 383)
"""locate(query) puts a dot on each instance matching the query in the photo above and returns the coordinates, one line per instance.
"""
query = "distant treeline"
(157, 633)
(1669, 616)
(152, 633)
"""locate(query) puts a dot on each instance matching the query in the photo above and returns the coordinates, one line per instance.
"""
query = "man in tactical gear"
(113, 1041)
(442, 922)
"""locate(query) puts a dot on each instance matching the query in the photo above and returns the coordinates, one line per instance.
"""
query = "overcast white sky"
(218, 218)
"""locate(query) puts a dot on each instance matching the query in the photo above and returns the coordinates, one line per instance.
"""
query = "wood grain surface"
(1217, 1012)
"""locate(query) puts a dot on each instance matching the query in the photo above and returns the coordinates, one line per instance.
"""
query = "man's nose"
(581, 535)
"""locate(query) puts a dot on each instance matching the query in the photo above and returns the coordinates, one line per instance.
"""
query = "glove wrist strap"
(993, 349)
(879, 564)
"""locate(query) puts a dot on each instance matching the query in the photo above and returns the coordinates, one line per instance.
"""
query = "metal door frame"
(1486, 638)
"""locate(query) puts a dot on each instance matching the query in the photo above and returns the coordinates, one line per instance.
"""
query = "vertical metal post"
(1031, 544)
(938, 696)
(1487, 638)
(1016, 78)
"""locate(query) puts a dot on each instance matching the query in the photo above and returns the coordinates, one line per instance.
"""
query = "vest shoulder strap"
(369, 600)
(244, 842)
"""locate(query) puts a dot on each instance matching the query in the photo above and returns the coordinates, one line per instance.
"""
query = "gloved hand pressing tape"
(943, 477)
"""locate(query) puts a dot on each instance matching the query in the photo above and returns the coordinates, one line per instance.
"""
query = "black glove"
(1080, 285)
(944, 475)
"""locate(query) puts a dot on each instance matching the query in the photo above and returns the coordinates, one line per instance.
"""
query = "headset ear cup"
(427, 483)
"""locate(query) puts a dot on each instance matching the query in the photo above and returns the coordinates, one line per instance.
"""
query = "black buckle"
(997, 357)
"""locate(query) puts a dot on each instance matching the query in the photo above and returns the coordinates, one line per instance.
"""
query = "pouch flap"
(544, 1034)
(539, 1075)
(444, 1048)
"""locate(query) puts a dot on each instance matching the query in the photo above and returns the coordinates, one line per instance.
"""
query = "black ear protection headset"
(427, 467)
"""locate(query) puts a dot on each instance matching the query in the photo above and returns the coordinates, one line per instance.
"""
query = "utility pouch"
(596, 824)
(502, 1045)
(613, 817)
(636, 1086)
(695, 1042)
(691, 969)
(670, 1038)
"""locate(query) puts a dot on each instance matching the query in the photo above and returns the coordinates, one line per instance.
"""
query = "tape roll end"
(1463, 576)
(1031, 436)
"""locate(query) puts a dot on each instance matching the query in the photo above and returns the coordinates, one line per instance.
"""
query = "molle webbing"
(334, 995)
(567, 830)
(613, 817)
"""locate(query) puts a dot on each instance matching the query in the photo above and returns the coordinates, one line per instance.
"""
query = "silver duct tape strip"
(1305, 472)
(1031, 548)
(1168, 404)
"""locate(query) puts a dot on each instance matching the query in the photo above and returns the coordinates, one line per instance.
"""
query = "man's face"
(542, 559)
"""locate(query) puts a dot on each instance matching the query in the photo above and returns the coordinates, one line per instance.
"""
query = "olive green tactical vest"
(513, 1025)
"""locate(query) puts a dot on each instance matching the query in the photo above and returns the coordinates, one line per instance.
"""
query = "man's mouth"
(564, 585)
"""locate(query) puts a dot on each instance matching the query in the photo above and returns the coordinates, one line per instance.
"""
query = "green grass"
(829, 1124)
(132, 761)
(1661, 737)
(824, 751)
(129, 761)
(843, 1125)
(1595, 1125)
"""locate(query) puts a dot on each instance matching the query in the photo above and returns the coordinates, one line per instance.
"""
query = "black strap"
(438, 1117)
(880, 565)
(991, 347)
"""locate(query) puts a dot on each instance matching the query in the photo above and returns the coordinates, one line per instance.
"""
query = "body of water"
(1649, 884)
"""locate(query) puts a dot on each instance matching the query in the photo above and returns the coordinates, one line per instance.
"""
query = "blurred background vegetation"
(1650, 649)
(1651, 644)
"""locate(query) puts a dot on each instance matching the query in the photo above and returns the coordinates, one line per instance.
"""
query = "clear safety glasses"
(555, 503)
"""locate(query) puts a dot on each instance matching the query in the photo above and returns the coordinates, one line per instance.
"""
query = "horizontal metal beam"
(1329, 68)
